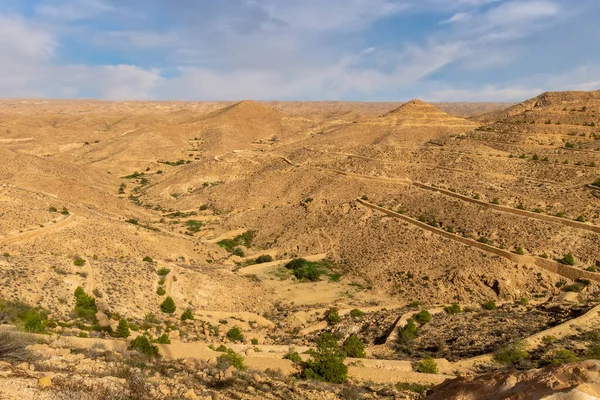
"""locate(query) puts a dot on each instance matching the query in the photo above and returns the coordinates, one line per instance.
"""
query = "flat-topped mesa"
(247, 109)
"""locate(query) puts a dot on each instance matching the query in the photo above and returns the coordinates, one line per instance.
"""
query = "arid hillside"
(404, 234)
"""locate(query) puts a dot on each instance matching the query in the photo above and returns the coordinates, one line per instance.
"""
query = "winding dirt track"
(551, 266)
(37, 232)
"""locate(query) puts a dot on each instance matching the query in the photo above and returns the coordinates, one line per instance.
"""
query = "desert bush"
(332, 316)
(575, 287)
(85, 305)
(512, 354)
(560, 356)
(52, 209)
(412, 387)
(78, 261)
(34, 322)
(523, 301)
(407, 333)
(293, 356)
(83, 334)
(265, 258)
(303, 269)
(356, 313)
(147, 259)
(123, 329)
(568, 259)
(187, 314)
(13, 346)
(235, 334)
(168, 306)
(245, 239)
(483, 240)
(592, 353)
(142, 345)
(452, 309)
(519, 251)
(596, 182)
(489, 305)
(354, 347)
(163, 339)
(163, 271)
(64, 211)
(160, 291)
(254, 341)
(193, 226)
(326, 363)
(422, 317)
(428, 366)
(238, 251)
(231, 358)
(496, 201)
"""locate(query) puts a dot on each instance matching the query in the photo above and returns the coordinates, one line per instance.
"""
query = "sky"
(356, 50)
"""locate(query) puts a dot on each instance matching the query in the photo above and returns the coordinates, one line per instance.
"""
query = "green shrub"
(235, 334)
(568, 259)
(233, 359)
(193, 226)
(428, 366)
(293, 356)
(254, 341)
(592, 268)
(64, 211)
(168, 306)
(489, 305)
(245, 239)
(496, 201)
(412, 387)
(354, 347)
(265, 258)
(596, 182)
(78, 261)
(163, 339)
(34, 322)
(160, 291)
(575, 287)
(222, 348)
(142, 345)
(520, 251)
(453, 309)
(422, 317)
(187, 314)
(82, 334)
(238, 252)
(303, 269)
(593, 352)
(356, 313)
(483, 240)
(147, 259)
(580, 218)
(407, 333)
(512, 354)
(85, 305)
(523, 301)
(561, 356)
(53, 209)
(163, 271)
(535, 157)
(332, 316)
(548, 339)
(123, 329)
(326, 363)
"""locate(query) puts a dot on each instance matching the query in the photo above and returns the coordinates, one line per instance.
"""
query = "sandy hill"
(417, 112)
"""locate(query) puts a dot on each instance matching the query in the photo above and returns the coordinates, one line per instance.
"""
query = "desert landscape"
(310, 250)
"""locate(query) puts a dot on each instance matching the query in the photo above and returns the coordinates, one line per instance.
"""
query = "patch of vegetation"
(422, 317)
(428, 366)
(356, 313)
(520, 251)
(231, 358)
(512, 354)
(596, 183)
(175, 163)
(235, 334)
(332, 316)
(293, 356)
(187, 315)
(142, 345)
(168, 306)
(265, 258)
(193, 226)
(326, 363)
(568, 259)
(489, 305)
(123, 329)
(52, 209)
(163, 271)
(65, 211)
(412, 387)
(407, 333)
(13, 346)
(238, 252)
(354, 347)
(245, 239)
(78, 261)
(453, 309)
(303, 269)
(85, 305)
(160, 291)
(163, 339)
(34, 321)
(147, 259)
(560, 356)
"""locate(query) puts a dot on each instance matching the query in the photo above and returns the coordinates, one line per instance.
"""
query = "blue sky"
(366, 50)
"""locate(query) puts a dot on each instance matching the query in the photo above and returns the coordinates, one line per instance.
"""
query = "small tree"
(332, 316)
(231, 358)
(354, 347)
(34, 322)
(187, 314)
(489, 305)
(453, 309)
(147, 259)
(423, 317)
(428, 366)
(168, 306)
(123, 329)
(512, 354)
(568, 259)
(235, 334)
(160, 291)
(327, 361)
(143, 345)
(163, 339)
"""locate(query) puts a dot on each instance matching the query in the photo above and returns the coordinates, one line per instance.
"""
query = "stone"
(45, 382)
(190, 395)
